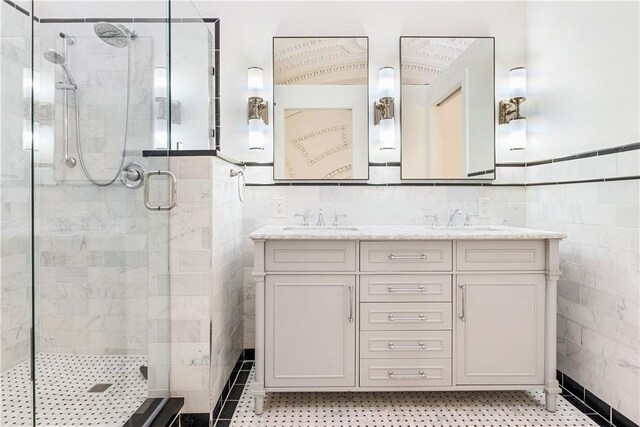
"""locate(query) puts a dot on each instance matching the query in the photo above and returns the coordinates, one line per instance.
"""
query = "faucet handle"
(336, 218)
(467, 220)
(436, 222)
(305, 217)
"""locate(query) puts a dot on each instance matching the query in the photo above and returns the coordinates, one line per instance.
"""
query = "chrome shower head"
(116, 35)
(54, 57)
(57, 58)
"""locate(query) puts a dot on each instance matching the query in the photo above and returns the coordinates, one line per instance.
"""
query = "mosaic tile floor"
(62, 391)
(405, 409)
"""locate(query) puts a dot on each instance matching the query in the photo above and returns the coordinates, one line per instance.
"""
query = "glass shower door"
(100, 220)
(15, 214)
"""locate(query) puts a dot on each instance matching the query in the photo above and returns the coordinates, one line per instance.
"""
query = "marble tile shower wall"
(204, 284)
(599, 293)
(15, 246)
(92, 243)
(367, 205)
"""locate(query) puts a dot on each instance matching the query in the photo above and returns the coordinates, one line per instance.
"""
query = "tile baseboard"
(226, 404)
(597, 409)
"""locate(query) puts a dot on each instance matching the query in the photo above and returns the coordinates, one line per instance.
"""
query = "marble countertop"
(401, 232)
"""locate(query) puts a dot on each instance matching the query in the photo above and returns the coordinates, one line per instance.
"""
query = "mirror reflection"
(320, 108)
(447, 107)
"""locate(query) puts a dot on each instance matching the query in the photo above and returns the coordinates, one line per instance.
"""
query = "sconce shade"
(518, 83)
(256, 134)
(386, 82)
(518, 134)
(387, 134)
(255, 81)
(160, 82)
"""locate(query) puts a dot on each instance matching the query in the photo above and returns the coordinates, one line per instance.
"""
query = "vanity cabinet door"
(500, 329)
(310, 331)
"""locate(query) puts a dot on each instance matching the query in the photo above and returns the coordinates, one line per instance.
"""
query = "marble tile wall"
(367, 205)
(15, 231)
(204, 284)
(188, 286)
(91, 242)
(599, 293)
(227, 302)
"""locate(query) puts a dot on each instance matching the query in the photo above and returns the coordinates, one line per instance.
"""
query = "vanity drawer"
(406, 256)
(376, 316)
(499, 255)
(405, 344)
(408, 288)
(310, 255)
(405, 372)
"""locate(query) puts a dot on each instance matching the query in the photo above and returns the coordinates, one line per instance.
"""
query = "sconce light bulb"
(386, 82)
(256, 134)
(387, 134)
(518, 134)
(255, 81)
(518, 83)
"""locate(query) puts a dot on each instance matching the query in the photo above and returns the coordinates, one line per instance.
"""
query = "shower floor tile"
(62, 385)
(405, 409)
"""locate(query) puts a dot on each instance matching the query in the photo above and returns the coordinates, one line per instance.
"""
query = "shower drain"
(99, 388)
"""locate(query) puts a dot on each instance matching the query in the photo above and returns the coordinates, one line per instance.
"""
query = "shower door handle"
(172, 191)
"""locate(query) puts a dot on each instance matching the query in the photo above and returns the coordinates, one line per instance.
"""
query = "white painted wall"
(582, 77)
(247, 29)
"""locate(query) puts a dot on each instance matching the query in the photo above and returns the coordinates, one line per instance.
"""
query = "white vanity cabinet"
(310, 330)
(500, 329)
(405, 308)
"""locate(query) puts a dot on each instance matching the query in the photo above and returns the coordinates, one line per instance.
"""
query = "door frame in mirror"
(468, 178)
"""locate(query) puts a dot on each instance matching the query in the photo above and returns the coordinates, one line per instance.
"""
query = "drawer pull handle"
(420, 374)
(393, 346)
(420, 317)
(416, 290)
(421, 256)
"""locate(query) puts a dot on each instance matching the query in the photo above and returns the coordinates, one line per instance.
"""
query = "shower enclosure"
(86, 93)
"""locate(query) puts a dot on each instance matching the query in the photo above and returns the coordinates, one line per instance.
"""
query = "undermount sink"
(317, 228)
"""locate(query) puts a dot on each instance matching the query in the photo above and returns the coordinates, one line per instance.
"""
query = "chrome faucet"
(320, 222)
(305, 217)
(336, 218)
(452, 217)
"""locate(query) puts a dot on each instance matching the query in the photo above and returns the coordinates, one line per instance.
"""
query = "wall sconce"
(258, 108)
(510, 110)
(42, 114)
(384, 114)
(161, 109)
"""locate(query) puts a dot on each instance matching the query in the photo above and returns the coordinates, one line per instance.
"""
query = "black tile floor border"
(591, 405)
(237, 381)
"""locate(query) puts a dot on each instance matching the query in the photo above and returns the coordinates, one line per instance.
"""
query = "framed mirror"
(320, 108)
(447, 107)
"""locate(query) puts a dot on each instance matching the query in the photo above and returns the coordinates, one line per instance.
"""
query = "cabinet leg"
(258, 404)
(551, 402)
(551, 397)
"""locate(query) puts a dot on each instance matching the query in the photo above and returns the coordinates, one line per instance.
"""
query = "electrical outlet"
(484, 207)
(279, 207)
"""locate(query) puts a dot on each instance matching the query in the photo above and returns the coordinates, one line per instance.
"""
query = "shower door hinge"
(213, 71)
(212, 133)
